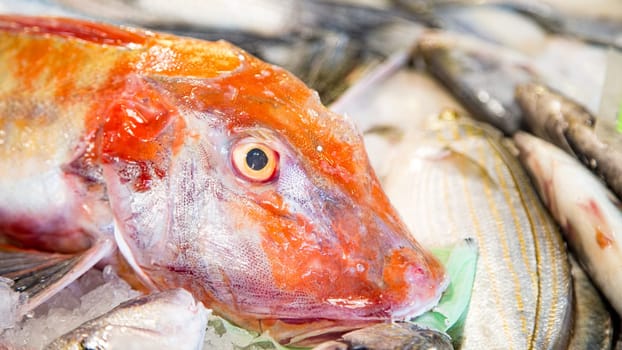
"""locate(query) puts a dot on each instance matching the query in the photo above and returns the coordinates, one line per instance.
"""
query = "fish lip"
(406, 314)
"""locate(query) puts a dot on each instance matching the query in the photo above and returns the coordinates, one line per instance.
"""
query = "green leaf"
(460, 262)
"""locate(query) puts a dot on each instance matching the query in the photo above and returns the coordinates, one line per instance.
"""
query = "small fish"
(484, 76)
(390, 336)
(570, 126)
(192, 164)
(456, 179)
(481, 76)
(549, 114)
(588, 213)
(172, 319)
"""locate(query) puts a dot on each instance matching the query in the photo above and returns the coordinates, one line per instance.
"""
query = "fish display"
(181, 163)
(191, 164)
(589, 214)
(163, 320)
(454, 179)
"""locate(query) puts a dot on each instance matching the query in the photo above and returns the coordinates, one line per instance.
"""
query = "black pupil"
(256, 159)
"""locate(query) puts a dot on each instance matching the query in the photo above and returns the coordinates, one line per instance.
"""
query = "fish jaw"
(318, 240)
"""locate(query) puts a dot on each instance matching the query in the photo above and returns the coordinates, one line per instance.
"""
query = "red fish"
(193, 164)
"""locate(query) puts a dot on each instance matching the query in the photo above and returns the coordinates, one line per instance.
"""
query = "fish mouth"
(359, 263)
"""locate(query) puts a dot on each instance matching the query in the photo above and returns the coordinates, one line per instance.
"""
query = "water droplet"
(593, 163)
(360, 267)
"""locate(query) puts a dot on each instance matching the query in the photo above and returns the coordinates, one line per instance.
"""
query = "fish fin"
(40, 275)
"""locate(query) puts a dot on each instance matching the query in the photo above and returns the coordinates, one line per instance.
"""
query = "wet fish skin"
(571, 127)
(456, 179)
(164, 320)
(601, 152)
(549, 114)
(129, 136)
(589, 214)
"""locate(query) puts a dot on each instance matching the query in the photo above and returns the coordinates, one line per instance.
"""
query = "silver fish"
(165, 320)
(589, 214)
(571, 127)
(456, 179)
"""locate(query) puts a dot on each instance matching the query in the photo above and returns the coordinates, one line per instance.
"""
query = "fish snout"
(407, 279)
(413, 282)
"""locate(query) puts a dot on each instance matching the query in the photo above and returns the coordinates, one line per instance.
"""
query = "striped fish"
(457, 180)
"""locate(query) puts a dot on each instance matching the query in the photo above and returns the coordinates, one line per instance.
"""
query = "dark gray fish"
(593, 325)
(481, 76)
(570, 126)
(390, 336)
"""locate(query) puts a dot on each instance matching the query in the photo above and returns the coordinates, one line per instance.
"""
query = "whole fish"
(471, 70)
(390, 336)
(455, 179)
(164, 320)
(484, 76)
(207, 169)
(587, 212)
(570, 126)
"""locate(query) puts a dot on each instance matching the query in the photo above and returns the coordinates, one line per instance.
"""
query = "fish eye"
(255, 161)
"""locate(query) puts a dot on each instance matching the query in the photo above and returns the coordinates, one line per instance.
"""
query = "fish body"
(471, 70)
(589, 214)
(567, 124)
(205, 169)
(484, 76)
(163, 320)
(455, 179)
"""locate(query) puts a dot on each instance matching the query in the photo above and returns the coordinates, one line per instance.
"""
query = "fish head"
(164, 320)
(255, 197)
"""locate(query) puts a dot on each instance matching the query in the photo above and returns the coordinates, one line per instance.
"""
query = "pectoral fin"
(40, 275)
